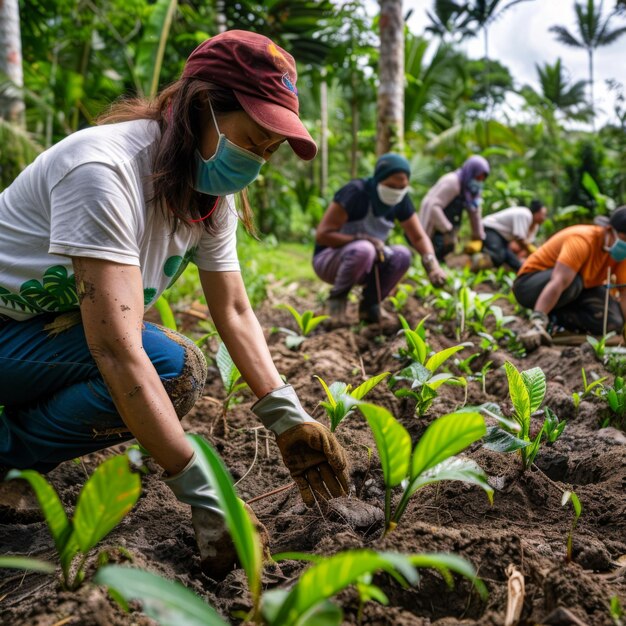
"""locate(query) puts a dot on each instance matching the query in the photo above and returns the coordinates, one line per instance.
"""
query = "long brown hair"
(178, 111)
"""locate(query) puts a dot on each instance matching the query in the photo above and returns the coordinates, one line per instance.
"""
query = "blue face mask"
(618, 250)
(475, 186)
(229, 170)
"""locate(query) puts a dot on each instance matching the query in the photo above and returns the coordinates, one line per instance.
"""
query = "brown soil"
(526, 526)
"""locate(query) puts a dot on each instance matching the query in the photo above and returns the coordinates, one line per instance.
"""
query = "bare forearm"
(241, 332)
(549, 297)
(146, 409)
(334, 239)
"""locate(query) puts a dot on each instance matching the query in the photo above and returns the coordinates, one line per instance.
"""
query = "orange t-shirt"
(581, 248)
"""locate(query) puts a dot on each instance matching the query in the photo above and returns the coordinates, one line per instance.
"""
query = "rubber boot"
(337, 310)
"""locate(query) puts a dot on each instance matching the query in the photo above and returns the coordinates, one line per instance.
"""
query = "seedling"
(307, 602)
(307, 322)
(588, 387)
(527, 391)
(342, 399)
(164, 309)
(616, 610)
(553, 427)
(570, 496)
(401, 297)
(417, 348)
(231, 379)
(432, 460)
(599, 345)
(103, 502)
(616, 398)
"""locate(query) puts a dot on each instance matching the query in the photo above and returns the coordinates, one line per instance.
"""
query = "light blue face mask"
(618, 249)
(229, 170)
(475, 186)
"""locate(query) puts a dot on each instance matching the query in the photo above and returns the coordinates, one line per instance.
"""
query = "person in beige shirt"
(443, 206)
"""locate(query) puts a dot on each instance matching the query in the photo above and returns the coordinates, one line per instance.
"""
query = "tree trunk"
(11, 101)
(593, 110)
(354, 124)
(390, 127)
(324, 134)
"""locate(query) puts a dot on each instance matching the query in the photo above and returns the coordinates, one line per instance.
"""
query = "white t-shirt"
(89, 196)
(514, 223)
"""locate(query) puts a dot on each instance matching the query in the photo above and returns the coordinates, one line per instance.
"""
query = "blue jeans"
(56, 404)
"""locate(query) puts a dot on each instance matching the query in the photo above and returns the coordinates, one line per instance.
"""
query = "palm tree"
(390, 127)
(593, 32)
(557, 89)
(11, 99)
(448, 20)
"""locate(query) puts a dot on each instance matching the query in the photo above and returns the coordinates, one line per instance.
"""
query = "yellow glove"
(531, 247)
(474, 246)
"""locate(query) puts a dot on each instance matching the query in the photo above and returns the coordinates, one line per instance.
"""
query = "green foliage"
(432, 460)
(164, 309)
(616, 610)
(26, 563)
(570, 496)
(105, 499)
(599, 345)
(402, 294)
(527, 391)
(616, 399)
(231, 379)
(342, 399)
(307, 322)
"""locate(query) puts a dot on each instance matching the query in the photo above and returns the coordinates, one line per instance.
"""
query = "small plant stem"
(402, 506)
(387, 509)
(270, 493)
(256, 451)
(79, 569)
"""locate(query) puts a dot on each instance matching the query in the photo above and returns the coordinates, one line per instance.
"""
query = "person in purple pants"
(350, 239)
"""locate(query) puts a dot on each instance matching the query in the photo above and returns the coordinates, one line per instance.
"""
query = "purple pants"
(353, 264)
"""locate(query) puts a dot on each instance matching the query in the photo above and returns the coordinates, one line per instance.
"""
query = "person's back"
(512, 223)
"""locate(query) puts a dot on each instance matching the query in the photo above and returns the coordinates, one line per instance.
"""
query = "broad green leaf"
(529, 453)
(416, 345)
(329, 395)
(312, 322)
(445, 437)
(439, 379)
(415, 372)
(519, 396)
(108, 495)
(294, 341)
(570, 495)
(439, 358)
(243, 533)
(26, 563)
(331, 575)
(392, 440)
(294, 313)
(228, 370)
(403, 322)
(368, 385)
(454, 468)
(52, 509)
(306, 319)
(535, 381)
(326, 613)
(499, 440)
(166, 601)
(165, 312)
(450, 562)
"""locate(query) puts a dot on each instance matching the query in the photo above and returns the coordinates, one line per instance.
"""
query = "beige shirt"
(515, 223)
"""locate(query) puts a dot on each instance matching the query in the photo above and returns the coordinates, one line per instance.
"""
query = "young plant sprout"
(105, 499)
(342, 399)
(616, 398)
(432, 460)
(570, 496)
(231, 379)
(401, 297)
(527, 391)
(553, 427)
(307, 322)
(307, 602)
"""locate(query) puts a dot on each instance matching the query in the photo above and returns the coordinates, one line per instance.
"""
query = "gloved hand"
(217, 550)
(474, 246)
(312, 454)
(538, 334)
(531, 247)
(379, 244)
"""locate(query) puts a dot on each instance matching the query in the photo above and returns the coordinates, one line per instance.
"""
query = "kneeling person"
(564, 279)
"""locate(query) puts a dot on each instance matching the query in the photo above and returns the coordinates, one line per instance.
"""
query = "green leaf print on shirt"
(56, 293)
(148, 295)
(175, 265)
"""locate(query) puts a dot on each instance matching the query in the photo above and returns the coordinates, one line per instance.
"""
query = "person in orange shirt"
(565, 279)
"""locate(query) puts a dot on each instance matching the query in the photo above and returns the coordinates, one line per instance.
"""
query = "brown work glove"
(218, 555)
(316, 461)
(450, 239)
(538, 334)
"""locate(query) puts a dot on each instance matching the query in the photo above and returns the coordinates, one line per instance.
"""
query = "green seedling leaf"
(329, 395)
(243, 533)
(571, 496)
(165, 311)
(439, 379)
(294, 341)
(454, 468)
(415, 373)
(439, 358)
(53, 512)
(499, 440)
(108, 495)
(25, 563)
(446, 436)
(329, 576)
(294, 313)
(392, 440)
(168, 602)
(535, 381)
(228, 370)
(364, 388)
(445, 563)
(519, 396)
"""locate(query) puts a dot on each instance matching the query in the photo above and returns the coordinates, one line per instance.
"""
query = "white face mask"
(389, 195)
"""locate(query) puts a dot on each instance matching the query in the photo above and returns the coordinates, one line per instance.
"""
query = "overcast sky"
(519, 39)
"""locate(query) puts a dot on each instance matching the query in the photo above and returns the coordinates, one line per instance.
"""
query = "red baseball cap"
(263, 78)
